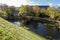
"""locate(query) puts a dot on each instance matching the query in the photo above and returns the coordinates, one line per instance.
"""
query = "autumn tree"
(22, 13)
(36, 10)
(22, 10)
(51, 12)
(43, 13)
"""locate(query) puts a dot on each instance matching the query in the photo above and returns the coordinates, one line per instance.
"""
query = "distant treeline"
(17, 13)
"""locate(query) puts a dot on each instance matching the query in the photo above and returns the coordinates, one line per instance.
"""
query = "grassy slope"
(9, 31)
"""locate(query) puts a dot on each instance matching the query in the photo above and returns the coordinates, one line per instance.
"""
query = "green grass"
(9, 31)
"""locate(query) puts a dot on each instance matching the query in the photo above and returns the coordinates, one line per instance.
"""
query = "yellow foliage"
(22, 10)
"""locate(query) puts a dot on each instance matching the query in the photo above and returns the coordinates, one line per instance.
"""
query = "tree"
(22, 10)
(12, 9)
(36, 10)
(10, 12)
(3, 14)
(29, 10)
(43, 13)
(51, 12)
(22, 13)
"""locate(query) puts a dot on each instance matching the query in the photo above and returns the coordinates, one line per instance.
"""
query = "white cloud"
(17, 2)
(50, 4)
(34, 3)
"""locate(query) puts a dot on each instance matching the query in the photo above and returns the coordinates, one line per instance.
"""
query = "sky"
(18, 3)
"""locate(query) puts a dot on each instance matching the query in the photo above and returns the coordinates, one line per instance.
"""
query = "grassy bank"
(9, 31)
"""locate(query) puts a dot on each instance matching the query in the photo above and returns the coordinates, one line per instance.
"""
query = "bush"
(3, 14)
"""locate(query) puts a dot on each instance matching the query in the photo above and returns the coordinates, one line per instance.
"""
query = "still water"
(16, 23)
(39, 29)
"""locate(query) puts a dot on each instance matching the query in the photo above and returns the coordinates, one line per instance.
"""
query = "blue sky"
(18, 3)
(47, 2)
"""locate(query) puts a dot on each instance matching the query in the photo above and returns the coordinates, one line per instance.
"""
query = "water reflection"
(41, 29)
(16, 23)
